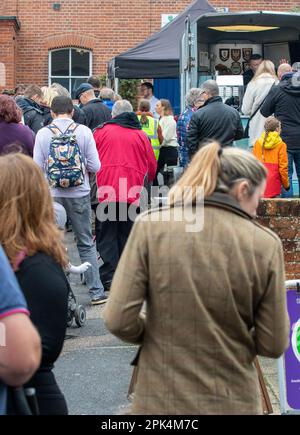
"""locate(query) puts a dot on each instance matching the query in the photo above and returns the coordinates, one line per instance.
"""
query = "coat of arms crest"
(236, 68)
(224, 54)
(236, 54)
(247, 52)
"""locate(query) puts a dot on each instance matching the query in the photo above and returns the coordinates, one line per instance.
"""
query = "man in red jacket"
(127, 157)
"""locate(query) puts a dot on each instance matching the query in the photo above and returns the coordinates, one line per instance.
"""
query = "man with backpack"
(66, 152)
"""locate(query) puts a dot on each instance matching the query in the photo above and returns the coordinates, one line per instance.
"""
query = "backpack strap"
(71, 130)
(54, 129)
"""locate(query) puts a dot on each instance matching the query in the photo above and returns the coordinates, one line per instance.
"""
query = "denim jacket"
(182, 127)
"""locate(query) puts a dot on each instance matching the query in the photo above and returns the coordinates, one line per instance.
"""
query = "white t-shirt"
(168, 126)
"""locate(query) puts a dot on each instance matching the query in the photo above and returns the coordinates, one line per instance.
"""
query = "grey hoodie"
(88, 149)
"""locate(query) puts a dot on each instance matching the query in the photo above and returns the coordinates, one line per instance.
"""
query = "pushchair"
(75, 311)
(169, 175)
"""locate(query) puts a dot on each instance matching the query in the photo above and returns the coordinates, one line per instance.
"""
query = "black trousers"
(50, 399)
(167, 156)
(111, 239)
(97, 223)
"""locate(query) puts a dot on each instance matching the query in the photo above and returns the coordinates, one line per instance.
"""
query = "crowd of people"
(170, 291)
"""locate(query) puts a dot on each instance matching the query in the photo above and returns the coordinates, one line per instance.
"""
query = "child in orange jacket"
(272, 152)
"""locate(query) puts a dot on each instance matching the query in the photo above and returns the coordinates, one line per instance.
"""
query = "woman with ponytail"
(214, 293)
(169, 147)
(272, 152)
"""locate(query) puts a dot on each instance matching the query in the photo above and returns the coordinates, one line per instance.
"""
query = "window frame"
(51, 78)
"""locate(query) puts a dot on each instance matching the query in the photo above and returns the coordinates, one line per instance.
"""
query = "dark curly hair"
(9, 111)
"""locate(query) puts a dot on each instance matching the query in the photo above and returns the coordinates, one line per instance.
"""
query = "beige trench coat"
(215, 300)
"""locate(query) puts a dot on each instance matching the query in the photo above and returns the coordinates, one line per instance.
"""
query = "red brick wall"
(110, 27)
(107, 28)
(258, 5)
(283, 217)
(8, 7)
(8, 47)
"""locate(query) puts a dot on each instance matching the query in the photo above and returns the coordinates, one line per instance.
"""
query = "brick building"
(72, 39)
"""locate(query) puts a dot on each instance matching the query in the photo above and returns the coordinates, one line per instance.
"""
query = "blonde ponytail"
(216, 169)
(265, 139)
(203, 172)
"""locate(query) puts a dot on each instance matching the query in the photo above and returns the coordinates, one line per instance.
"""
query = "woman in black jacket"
(34, 247)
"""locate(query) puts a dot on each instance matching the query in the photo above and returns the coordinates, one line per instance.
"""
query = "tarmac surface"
(94, 369)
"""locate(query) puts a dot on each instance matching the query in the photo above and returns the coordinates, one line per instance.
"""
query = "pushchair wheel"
(70, 323)
(80, 316)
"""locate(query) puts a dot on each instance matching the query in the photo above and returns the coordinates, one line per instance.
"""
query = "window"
(70, 67)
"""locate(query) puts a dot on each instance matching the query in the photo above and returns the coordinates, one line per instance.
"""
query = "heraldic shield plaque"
(236, 54)
(236, 68)
(224, 54)
(247, 53)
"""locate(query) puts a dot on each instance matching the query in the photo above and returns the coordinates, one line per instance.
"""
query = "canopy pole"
(116, 85)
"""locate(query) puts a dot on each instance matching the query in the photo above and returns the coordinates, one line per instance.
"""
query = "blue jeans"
(294, 157)
(183, 156)
(79, 212)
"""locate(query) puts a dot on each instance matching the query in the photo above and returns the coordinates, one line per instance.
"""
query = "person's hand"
(84, 267)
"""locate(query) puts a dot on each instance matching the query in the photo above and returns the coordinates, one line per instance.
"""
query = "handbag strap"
(259, 107)
(261, 104)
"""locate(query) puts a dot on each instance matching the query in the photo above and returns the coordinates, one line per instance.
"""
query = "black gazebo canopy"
(157, 56)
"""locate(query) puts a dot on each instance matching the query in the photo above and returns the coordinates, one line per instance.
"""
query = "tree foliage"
(129, 89)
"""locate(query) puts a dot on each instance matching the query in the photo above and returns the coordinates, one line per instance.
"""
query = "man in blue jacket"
(107, 96)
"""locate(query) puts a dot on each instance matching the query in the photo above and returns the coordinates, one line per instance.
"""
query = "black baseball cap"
(81, 89)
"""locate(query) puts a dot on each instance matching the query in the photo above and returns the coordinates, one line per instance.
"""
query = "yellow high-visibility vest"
(151, 131)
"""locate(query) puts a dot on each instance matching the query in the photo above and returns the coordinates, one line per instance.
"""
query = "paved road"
(94, 369)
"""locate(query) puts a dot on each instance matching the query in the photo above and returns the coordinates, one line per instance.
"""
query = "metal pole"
(282, 389)
(116, 85)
